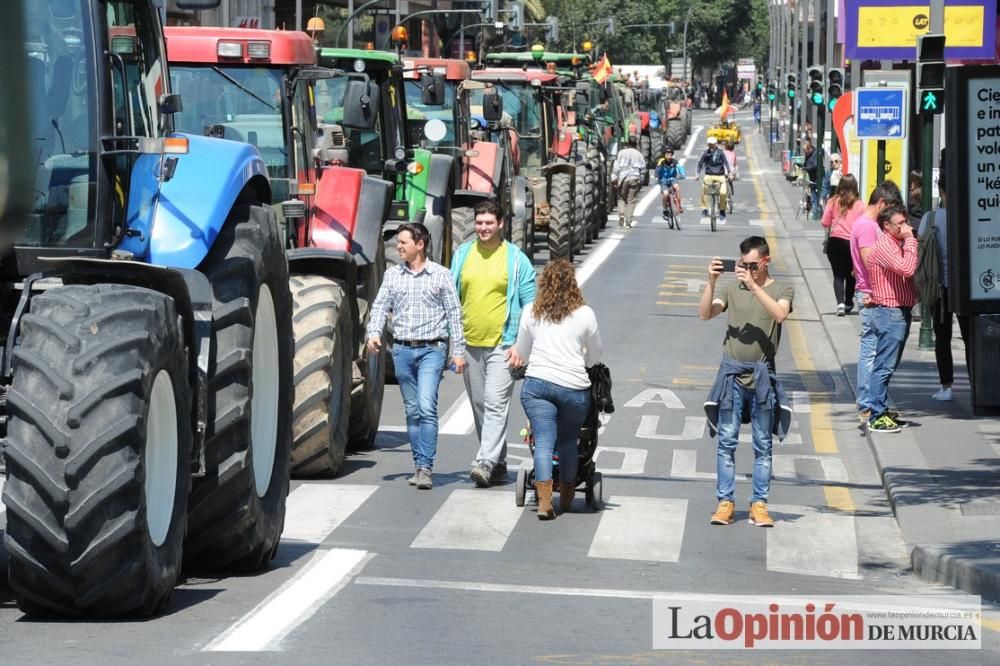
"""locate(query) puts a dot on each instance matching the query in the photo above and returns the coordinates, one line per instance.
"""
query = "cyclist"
(715, 167)
(668, 172)
(730, 151)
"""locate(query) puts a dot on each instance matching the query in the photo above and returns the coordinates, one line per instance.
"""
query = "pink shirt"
(840, 224)
(864, 233)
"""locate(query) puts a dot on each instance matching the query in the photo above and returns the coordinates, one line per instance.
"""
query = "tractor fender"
(178, 225)
(373, 210)
(468, 198)
(192, 294)
(438, 203)
(560, 167)
(644, 120)
(483, 171)
(336, 264)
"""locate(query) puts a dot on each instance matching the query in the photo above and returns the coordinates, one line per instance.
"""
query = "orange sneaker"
(724, 514)
(758, 515)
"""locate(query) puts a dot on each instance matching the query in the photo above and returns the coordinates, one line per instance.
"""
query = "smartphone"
(728, 265)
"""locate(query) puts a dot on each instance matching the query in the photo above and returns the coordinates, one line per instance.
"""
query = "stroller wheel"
(521, 487)
(595, 493)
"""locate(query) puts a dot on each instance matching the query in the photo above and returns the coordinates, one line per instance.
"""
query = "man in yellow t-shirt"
(495, 280)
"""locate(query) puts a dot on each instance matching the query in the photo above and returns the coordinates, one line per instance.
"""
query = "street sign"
(880, 113)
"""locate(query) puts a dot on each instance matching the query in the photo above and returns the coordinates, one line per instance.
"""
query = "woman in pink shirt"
(842, 209)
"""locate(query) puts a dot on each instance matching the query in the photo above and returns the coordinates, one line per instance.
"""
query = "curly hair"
(558, 293)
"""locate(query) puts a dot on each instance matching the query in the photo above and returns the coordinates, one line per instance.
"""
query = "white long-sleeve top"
(560, 353)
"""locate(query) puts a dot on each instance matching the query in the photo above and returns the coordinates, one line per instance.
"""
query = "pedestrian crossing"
(806, 541)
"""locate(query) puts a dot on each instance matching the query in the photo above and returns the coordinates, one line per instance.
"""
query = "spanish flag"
(603, 69)
(724, 109)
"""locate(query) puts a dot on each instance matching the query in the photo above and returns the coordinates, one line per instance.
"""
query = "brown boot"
(543, 489)
(566, 493)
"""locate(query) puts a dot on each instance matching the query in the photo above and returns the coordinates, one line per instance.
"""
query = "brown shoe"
(543, 489)
(724, 514)
(758, 515)
(566, 493)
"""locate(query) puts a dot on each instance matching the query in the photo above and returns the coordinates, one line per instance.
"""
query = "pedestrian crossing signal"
(931, 101)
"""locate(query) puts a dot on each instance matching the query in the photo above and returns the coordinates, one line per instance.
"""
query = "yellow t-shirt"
(483, 291)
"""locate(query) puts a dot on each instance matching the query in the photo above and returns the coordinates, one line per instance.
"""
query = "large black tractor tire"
(646, 147)
(368, 372)
(324, 340)
(581, 210)
(237, 510)
(98, 452)
(561, 217)
(675, 133)
(463, 225)
(686, 118)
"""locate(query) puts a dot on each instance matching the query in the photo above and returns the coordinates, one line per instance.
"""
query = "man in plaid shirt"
(891, 265)
(421, 296)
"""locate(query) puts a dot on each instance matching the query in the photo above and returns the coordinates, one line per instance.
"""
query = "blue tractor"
(146, 388)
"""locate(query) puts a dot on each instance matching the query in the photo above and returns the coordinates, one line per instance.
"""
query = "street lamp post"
(687, 18)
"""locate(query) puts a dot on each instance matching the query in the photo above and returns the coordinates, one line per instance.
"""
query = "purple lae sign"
(888, 29)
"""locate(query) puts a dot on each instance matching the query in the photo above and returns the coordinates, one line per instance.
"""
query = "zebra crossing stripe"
(810, 542)
(641, 528)
(471, 520)
(314, 510)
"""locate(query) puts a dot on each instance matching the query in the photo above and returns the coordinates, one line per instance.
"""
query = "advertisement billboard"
(888, 29)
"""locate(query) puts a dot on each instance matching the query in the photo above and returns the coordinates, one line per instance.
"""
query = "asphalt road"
(373, 571)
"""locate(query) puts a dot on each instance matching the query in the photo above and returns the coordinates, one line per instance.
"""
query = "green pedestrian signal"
(770, 97)
(817, 99)
(932, 101)
(791, 93)
(832, 103)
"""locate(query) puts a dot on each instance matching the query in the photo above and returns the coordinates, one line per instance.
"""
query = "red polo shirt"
(891, 266)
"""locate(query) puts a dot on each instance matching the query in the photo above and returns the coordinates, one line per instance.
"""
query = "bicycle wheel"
(714, 211)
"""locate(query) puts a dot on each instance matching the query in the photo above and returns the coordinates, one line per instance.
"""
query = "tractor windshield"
(364, 146)
(62, 122)
(648, 100)
(522, 109)
(236, 103)
(419, 113)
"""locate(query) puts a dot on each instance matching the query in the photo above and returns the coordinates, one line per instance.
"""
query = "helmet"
(712, 141)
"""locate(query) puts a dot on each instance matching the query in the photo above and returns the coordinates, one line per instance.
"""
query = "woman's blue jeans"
(556, 414)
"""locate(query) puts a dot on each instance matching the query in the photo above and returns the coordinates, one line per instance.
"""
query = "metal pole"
(350, 34)
(880, 163)
(298, 14)
(353, 15)
(687, 81)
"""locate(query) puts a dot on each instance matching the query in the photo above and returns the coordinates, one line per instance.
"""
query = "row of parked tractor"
(185, 306)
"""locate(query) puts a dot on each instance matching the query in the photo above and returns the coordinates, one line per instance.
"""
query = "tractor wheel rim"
(160, 484)
(264, 403)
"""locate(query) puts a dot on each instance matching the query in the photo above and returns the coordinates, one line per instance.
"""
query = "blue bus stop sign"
(880, 113)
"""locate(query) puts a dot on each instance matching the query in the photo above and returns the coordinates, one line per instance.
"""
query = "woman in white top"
(558, 339)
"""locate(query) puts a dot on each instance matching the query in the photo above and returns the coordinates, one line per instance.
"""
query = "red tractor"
(256, 86)
(531, 103)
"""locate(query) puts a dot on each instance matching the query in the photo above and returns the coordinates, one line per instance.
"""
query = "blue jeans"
(418, 370)
(866, 353)
(890, 326)
(761, 424)
(556, 414)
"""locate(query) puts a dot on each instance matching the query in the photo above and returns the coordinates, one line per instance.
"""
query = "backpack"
(927, 277)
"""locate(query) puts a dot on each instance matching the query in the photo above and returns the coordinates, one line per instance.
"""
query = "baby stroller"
(588, 478)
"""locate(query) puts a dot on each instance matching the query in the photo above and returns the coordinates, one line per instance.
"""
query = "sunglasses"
(752, 266)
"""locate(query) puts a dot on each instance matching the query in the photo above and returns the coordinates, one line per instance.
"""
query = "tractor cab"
(431, 93)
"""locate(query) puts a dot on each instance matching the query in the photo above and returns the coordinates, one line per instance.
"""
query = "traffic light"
(834, 86)
(790, 87)
(771, 91)
(816, 86)
(930, 74)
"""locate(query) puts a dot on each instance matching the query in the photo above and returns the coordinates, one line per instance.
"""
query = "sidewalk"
(942, 474)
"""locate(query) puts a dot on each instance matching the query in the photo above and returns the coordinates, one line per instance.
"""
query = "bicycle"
(806, 202)
(729, 196)
(713, 188)
(670, 214)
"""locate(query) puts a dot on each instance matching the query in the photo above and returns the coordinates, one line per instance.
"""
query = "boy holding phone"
(746, 388)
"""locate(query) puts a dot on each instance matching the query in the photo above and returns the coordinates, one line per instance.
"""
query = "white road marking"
(695, 131)
(471, 520)
(291, 604)
(719, 222)
(598, 257)
(314, 510)
(641, 528)
(694, 426)
(685, 466)
(693, 284)
(800, 402)
(459, 419)
(807, 541)
(633, 460)
(761, 223)
(656, 396)
(833, 469)
(645, 202)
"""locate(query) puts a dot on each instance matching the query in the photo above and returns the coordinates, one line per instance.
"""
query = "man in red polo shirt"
(891, 265)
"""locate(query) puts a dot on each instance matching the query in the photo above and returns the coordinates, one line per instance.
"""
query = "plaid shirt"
(424, 306)
(891, 266)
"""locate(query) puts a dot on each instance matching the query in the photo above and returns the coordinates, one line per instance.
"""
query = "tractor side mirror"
(492, 106)
(170, 104)
(432, 89)
(361, 103)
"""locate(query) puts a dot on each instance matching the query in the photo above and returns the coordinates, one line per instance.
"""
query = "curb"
(971, 567)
